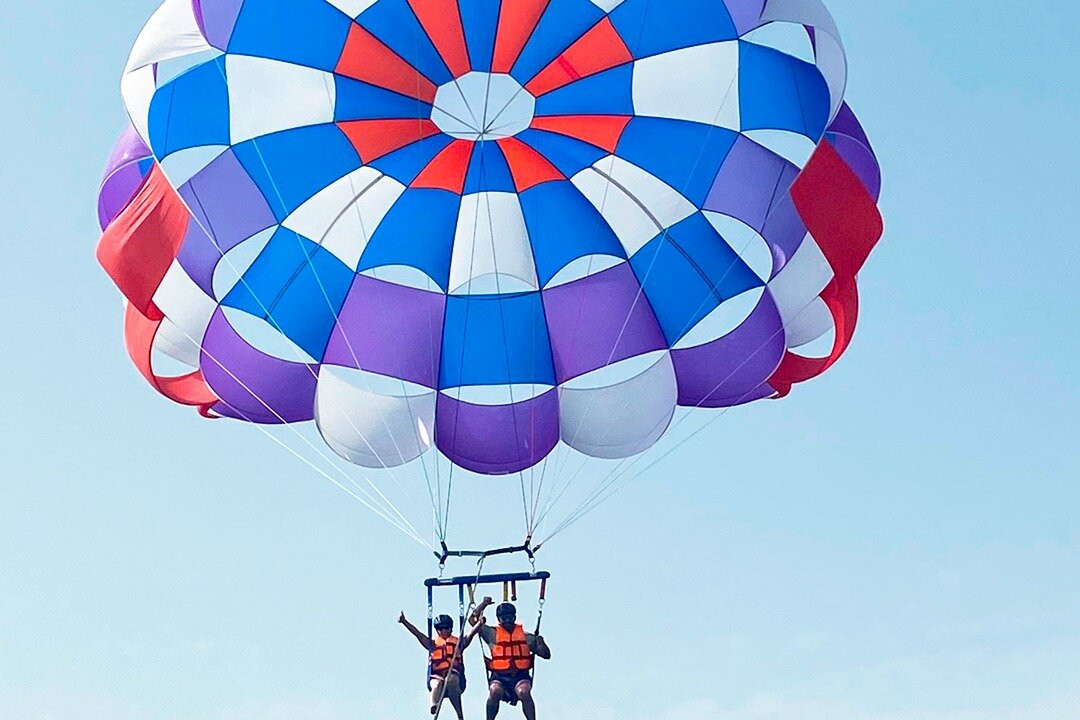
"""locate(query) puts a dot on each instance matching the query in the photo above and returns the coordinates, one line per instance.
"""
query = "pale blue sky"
(897, 541)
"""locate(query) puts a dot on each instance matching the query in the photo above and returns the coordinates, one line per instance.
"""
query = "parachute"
(475, 235)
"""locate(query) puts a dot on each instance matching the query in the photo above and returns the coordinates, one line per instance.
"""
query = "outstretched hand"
(477, 615)
(401, 617)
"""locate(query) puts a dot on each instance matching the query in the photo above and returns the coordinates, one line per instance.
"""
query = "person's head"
(507, 615)
(444, 625)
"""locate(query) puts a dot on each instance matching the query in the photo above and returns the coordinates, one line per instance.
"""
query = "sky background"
(898, 540)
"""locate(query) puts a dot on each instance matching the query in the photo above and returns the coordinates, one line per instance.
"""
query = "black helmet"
(444, 622)
(506, 611)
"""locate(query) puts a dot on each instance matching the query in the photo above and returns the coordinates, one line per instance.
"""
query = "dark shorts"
(509, 682)
(435, 677)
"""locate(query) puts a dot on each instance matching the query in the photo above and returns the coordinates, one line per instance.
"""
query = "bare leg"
(524, 693)
(453, 694)
(495, 693)
(436, 694)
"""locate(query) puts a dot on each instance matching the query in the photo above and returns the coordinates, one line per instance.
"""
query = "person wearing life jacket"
(446, 663)
(512, 654)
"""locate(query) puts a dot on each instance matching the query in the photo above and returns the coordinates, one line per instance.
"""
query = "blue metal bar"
(430, 612)
(430, 628)
(485, 579)
(461, 606)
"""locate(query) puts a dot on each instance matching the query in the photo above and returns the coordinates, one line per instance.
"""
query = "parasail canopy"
(487, 229)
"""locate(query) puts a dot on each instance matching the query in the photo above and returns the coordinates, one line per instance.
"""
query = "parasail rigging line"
(400, 523)
(334, 311)
(537, 512)
(664, 237)
(439, 525)
(464, 613)
(608, 181)
(498, 291)
(591, 500)
(270, 318)
(468, 299)
(414, 421)
(685, 417)
(269, 315)
(611, 489)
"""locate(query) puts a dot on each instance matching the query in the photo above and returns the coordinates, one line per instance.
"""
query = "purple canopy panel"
(599, 320)
(733, 370)
(252, 385)
(225, 202)
(123, 176)
(860, 159)
(128, 147)
(784, 229)
(196, 10)
(848, 137)
(497, 439)
(216, 20)
(746, 186)
(846, 123)
(117, 191)
(389, 329)
(752, 187)
(746, 14)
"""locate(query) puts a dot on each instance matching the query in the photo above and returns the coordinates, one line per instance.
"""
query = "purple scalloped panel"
(497, 439)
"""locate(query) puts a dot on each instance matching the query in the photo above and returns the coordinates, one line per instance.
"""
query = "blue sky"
(896, 541)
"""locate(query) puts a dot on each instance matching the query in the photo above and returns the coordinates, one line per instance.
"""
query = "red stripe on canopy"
(603, 131)
(597, 50)
(367, 59)
(448, 169)
(375, 138)
(843, 218)
(441, 20)
(838, 210)
(138, 247)
(136, 250)
(190, 389)
(517, 20)
(527, 166)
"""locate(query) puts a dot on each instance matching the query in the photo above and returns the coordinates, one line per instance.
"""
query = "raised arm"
(477, 615)
(467, 640)
(421, 637)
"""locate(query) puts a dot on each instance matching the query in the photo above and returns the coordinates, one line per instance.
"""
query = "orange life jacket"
(443, 655)
(511, 651)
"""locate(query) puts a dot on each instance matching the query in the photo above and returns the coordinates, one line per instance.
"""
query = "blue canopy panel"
(417, 232)
(495, 340)
(781, 92)
(304, 32)
(191, 110)
(649, 27)
(488, 171)
(563, 226)
(290, 166)
(405, 163)
(563, 22)
(394, 23)
(479, 19)
(296, 286)
(685, 155)
(569, 156)
(610, 92)
(357, 100)
(687, 271)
